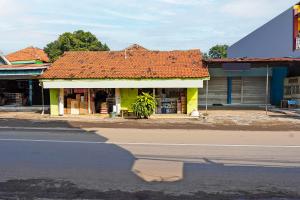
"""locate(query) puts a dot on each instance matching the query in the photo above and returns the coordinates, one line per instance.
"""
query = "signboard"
(236, 66)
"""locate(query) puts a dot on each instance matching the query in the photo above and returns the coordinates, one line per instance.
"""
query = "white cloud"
(181, 2)
(78, 23)
(10, 7)
(256, 8)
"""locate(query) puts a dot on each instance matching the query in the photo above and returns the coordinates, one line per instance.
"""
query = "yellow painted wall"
(128, 97)
(54, 93)
(192, 100)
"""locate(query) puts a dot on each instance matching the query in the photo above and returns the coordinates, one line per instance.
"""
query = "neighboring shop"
(106, 82)
(247, 81)
(291, 92)
(19, 85)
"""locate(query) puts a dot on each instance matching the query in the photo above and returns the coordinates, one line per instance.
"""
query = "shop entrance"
(22, 93)
(89, 101)
(103, 100)
(171, 101)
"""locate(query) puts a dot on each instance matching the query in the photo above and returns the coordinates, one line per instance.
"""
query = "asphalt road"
(74, 163)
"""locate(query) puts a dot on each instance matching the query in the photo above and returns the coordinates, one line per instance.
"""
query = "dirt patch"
(52, 189)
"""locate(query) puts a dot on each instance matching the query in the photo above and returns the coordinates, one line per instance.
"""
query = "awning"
(124, 83)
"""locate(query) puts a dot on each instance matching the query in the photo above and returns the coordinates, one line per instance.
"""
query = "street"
(108, 163)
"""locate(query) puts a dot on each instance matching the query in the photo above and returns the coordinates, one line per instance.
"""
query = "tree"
(205, 55)
(76, 41)
(218, 51)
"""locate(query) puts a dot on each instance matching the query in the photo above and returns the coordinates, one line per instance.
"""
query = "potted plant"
(144, 106)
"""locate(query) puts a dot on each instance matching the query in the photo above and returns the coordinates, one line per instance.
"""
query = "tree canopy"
(76, 41)
(218, 51)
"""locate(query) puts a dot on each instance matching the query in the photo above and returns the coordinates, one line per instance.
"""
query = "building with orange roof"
(19, 85)
(86, 82)
(29, 55)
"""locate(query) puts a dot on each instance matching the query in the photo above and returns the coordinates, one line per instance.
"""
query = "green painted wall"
(192, 100)
(54, 102)
(128, 97)
(27, 62)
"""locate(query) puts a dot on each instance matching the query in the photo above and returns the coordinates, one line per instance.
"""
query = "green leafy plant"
(144, 106)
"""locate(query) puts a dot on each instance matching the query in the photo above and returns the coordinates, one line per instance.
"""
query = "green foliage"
(144, 105)
(205, 56)
(218, 51)
(76, 41)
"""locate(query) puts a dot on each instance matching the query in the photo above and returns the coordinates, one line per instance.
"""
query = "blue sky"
(155, 24)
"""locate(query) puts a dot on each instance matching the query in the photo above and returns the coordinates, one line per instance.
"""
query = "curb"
(41, 128)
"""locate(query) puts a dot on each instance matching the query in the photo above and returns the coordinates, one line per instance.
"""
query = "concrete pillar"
(277, 84)
(30, 92)
(89, 101)
(118, 100)
(229, 90)
(61, 102)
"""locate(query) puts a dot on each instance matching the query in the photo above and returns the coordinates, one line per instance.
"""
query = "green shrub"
(144, 106)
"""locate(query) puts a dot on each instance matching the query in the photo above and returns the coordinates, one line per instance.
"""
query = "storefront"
(83, 101)
(88, 85)
(20, 93)
(89, 101)
(171, 101)
(247, 81)
(20, 87)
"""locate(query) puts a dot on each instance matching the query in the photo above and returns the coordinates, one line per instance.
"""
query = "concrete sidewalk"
(216, 119)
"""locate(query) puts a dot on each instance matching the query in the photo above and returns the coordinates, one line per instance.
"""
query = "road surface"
(89, 163)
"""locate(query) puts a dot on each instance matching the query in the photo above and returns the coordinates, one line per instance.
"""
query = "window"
(287, 90)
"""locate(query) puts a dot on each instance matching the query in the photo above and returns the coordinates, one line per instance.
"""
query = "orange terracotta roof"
(28, 54)
(128, 65)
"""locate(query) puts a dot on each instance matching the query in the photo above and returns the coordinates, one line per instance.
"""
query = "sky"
(154, 24)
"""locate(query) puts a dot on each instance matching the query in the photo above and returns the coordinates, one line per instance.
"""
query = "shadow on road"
(43, 163)
(69, 170)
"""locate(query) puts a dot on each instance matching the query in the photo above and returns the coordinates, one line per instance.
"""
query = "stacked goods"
(78, 97)
(83, 107)
(183, 104)
(69, 105)
(179, 107)
(169, 105)
(83, 110)
(93, 109)
(14, 98)
(74, 107)
(103, 108)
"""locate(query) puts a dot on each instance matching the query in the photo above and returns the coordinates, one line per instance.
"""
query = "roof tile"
(28, 54)
(134, 64)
